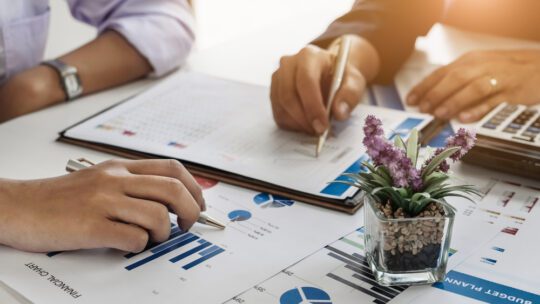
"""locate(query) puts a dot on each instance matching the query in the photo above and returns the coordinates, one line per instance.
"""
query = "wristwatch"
(69, 78)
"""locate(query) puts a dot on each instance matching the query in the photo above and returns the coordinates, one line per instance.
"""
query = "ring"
(493, 82)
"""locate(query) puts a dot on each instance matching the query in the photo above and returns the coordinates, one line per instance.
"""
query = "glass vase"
(407, 251)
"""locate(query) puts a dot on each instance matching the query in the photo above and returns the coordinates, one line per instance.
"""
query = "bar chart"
(342, 276)
(191, 249)
(356, 273)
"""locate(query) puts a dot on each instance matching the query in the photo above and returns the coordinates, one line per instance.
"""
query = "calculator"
(509, 140)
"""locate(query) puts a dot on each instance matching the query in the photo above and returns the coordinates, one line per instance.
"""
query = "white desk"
(28, 147)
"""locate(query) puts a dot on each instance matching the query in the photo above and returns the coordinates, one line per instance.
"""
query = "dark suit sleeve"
(392, 26)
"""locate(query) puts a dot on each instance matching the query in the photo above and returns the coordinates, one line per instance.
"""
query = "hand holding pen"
(205, 219)
(301, 86)
(117, 204)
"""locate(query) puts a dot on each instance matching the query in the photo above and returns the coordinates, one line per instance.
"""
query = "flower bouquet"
(408, 221)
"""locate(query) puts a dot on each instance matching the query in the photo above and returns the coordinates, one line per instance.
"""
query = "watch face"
(72, 84)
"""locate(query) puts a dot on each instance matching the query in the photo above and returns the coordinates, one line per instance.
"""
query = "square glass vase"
(407, 251)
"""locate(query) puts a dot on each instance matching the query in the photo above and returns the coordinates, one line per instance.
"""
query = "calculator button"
(489, 125)
(525, 138)
(496, 121)
(515, 125)
(510, 130)
(533, 130)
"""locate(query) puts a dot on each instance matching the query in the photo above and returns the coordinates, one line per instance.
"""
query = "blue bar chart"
(188, 244)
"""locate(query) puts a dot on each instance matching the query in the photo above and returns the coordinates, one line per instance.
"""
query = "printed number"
(259, 289)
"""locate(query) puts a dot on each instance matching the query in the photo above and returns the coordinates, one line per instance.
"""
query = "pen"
(79, 164)
(339, 73)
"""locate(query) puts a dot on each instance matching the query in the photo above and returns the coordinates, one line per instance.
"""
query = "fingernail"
(465, 117)
(318, 126)
(441, 112)
(344, 110)
(412, 99)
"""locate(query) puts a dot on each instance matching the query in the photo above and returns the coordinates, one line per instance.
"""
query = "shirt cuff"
(164, 41)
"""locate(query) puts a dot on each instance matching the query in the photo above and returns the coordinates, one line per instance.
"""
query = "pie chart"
(305, 295)
(239, 215)
(265, 200)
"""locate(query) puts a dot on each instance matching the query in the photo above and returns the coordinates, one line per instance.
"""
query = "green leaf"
(398, 142)
(437, 160)
(420, 195)
(402, 192)
(412, 146)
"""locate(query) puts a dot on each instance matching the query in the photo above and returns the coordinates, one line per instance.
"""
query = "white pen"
(205, 219)
(339, 73)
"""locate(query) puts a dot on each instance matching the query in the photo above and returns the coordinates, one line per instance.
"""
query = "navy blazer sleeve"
(392, 26)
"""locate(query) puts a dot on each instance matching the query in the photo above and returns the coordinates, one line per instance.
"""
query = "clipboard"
(350, 206)
(348, 201)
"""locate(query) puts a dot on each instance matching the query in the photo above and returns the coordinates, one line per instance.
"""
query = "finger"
(111, 234)
(308, 85)
(471, 95)
(152, 216)
(349, 95)
(284, 120)
(281, 117)
(475, 113)
(168, 191)
(420, 89)
(288, 96)
(452, 82)
(169, 168)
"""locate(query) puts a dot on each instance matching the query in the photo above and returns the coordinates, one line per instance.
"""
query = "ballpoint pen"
(339, 73)
(79, 164)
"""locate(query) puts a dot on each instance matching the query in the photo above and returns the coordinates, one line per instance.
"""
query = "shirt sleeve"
(161, 30)
(392, 26)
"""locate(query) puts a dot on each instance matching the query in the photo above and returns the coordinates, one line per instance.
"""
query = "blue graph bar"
(161, 253)
(175, 231)
(209, 250)
(204, 258)
(190, 252)
(170, 243)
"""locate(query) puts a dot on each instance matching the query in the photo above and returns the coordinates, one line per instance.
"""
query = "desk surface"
(29, 149)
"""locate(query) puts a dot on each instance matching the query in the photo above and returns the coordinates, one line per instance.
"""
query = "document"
(229, 126)
(264, 234)
(339, 273)
(494, 260)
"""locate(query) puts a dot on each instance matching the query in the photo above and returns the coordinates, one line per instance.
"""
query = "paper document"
(229, 126)
(493, 260)
(205, 265)
(339, 273)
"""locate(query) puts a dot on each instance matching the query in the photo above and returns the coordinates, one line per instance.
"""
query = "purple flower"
(383, 153)
(463, 139)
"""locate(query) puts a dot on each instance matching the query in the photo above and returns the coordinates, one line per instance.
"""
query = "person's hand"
(115, 204)
(301, 83)
(29, 91)
(477, 82)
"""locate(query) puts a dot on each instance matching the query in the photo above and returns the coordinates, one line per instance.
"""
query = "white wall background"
(218, 21)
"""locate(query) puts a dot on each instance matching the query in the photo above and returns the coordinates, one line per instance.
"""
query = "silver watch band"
(69, 78)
